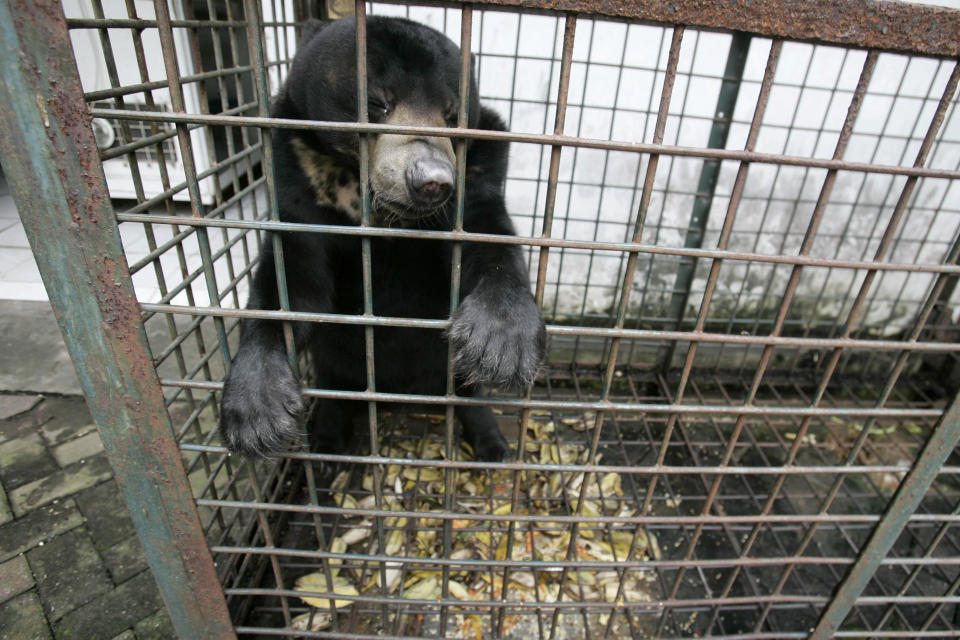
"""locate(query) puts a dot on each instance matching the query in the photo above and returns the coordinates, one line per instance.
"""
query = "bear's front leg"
(260, 412)
(261, 405)
(497, 334)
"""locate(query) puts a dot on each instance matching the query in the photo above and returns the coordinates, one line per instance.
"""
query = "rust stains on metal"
(872, 24)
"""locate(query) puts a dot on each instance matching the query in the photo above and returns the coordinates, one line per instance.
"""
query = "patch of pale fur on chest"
(333, 186)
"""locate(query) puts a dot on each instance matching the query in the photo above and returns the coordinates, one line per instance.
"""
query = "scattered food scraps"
(482, 493)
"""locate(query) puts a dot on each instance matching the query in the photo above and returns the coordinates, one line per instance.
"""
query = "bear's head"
(413, 76)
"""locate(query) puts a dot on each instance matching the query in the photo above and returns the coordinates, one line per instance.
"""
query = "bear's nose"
(430, 181)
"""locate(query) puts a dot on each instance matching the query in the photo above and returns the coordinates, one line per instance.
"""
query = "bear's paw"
(261, 406)
(498, 337)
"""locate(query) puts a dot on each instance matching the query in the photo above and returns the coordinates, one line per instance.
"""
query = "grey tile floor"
(19, 276)
(20, 279)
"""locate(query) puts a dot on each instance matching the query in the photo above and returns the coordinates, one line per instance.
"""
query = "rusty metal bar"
(189, 167)
(255, 40)
(119, 91)
(652, 604)
(579, 405)
(363, 115)
(571, 519)
(204, 99)
(626, 288)
(563, 87)
(49, 155)
(772, 60)
(569, 34)
(266, 532)
(784, 635)
(585, 564)
(877, 24)
(133, 163)
(142, 23)
(799, 470)
(245, 142)
(148, 228)
(806, 260)
(456, 262)
(544, 139)
(850, 119)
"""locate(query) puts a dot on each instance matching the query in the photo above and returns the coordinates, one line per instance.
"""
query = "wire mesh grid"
(745, 250)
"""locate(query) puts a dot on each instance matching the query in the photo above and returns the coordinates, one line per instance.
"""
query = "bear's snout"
(429, 181)
(411, 176)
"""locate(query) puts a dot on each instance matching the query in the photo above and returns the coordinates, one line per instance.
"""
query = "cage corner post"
(51, 161)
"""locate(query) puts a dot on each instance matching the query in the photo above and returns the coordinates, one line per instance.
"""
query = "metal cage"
(742, 230)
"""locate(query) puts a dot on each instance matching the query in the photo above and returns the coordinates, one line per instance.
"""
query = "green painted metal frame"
(707, 184)
(52, 163)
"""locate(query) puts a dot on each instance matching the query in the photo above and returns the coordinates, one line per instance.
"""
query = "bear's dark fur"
(496, 332)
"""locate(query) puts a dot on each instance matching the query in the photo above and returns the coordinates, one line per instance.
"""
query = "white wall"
(615, 86)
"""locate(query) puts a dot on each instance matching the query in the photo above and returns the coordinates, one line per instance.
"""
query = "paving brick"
(106, 514)
(112, 612)
(78, 449)
(37, 526)
(125, 559)
(15, 577)
(156, 627)
(19, 426)
(22, 619)
(11, 405)
(69, 573)
(24, 460)
(58, 419)
(63, 419)
(64, 482)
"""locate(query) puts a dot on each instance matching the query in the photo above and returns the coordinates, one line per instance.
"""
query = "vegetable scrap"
(416, 541)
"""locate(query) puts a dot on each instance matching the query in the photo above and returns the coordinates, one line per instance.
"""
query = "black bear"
(497, 333)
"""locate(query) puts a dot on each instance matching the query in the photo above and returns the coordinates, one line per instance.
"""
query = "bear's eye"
(450, 115)
(378, 109)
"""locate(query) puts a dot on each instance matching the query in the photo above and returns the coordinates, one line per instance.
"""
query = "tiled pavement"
(71, 564)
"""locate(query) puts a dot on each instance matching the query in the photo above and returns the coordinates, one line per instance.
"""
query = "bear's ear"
(490, 119)
(311, 28)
